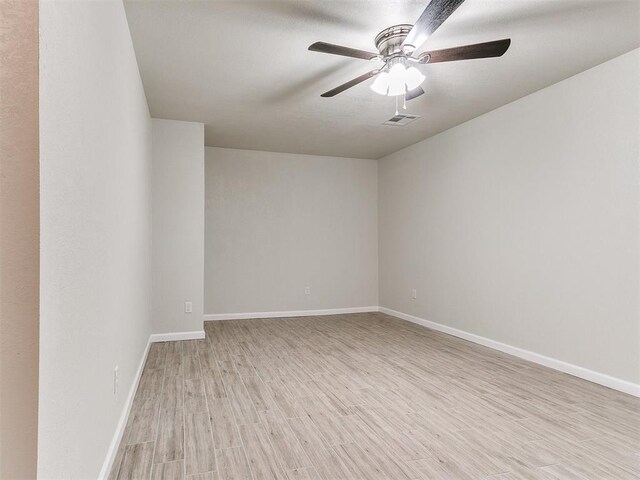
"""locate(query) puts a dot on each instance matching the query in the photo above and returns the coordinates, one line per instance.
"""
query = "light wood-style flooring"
(366, 396)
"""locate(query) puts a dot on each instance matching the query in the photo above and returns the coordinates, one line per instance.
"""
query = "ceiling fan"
(396, 45)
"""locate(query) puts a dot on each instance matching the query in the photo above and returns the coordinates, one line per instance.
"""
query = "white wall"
(277, 223)
(178, 225)
(95, 231)
(522, 225)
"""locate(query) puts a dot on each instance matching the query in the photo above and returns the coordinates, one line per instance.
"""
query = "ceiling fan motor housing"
(389, 41)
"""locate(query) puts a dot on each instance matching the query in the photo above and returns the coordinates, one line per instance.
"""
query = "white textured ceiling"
(243, 69)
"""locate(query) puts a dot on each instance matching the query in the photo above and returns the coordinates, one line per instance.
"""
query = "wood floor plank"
(560, 472)
(191, 366)
(143, 420)
(233, 464)
(136, 462)
(260, 453)
(194, 397)
(223, 424)
(151, 382)
(332, 428)
(285, 443)
(173, 393)
(239, 399)
(117, 461)
(303, 474)
(213, 386)
(442, 469)
(157, 354)
(258, 392)
(168, 471)
(190, 347)
(203, 476)
(359, 464)
(199, 452)
(386, 455)
(173, 359)
(284, 400)
(170, 440)
(330, 467)
(308, 435)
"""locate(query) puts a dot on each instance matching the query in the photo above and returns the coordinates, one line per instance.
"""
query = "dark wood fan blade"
(416, 92)
(433, 16)
(350, 84)
(340, 50)
(467, 52)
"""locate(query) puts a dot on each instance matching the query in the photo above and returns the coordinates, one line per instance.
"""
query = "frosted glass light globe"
(413, 78)
(397, 83)
(381, 83)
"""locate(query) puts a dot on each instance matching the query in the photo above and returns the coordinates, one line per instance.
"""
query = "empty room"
(320, 240)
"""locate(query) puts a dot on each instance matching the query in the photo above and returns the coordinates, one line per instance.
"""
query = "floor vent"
(401, 120)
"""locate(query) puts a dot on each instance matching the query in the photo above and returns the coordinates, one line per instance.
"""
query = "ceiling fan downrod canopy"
(389, 41)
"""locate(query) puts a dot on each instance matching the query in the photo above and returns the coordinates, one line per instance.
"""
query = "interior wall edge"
(124, 417)
(19, 238)
(565, 367)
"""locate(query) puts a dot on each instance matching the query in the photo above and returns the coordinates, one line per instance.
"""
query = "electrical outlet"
(414, 293)
(307, 290)
(188, 307)
(115, 381)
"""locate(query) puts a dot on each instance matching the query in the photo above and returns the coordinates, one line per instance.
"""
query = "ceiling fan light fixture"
(381, 83)
(398, 80)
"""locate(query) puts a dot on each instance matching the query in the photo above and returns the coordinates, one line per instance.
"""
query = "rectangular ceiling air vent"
(401, 120)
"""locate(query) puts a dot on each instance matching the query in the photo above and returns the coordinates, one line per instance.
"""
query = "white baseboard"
(581, 372)
(173, 336)
(122, 423)
(288, 313)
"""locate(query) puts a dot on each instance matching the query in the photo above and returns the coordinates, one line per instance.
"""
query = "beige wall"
(178, 225)
(19, 238)
(277, 223)
(95, 297)
(522, 225)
